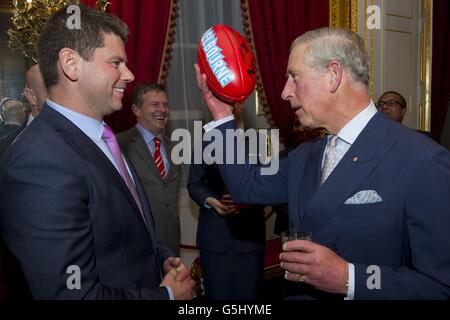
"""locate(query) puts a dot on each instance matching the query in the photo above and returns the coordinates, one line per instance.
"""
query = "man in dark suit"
(73, 211)
(230, 237)
(160, 176)
(373, 193)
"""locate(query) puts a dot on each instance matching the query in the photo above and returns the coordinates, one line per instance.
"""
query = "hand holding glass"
(295, 235)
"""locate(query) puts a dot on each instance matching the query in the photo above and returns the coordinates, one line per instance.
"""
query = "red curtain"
(151, 26)
(440, 85)
(273, 27)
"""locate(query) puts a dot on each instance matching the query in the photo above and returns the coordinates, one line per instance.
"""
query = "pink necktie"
(109, 137)
(158, 157)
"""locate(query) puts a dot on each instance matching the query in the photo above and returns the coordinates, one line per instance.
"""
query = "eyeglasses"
(388, 103)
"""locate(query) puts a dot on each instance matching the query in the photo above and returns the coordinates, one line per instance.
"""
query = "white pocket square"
(364, 197)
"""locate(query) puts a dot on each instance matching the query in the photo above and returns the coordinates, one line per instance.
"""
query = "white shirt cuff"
(169, 290)
(351, 282)
(214, 124)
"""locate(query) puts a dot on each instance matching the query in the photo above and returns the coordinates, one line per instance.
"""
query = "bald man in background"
(35, 91)
(36, 94)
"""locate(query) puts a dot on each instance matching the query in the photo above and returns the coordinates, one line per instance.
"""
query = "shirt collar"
(352, 129)
(147, 135)
(90, 126)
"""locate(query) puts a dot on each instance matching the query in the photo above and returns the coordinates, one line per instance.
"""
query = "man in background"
(230, 236)
(14, 117)
(35, 91)
(392, 104)
(36, 94)
(148, 149)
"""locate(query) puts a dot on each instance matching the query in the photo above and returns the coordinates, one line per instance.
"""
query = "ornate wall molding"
(170, 39)
(344, 14)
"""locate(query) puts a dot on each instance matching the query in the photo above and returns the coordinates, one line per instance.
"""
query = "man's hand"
(320, 266)
(174, 263)
(182, 290)
(223, 208)
(178, 278)
(218, 108)
(237, 207)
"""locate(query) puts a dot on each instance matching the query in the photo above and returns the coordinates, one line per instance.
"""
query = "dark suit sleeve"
(248, 184)
(197, 186)
(164, 253)
(49, 233)
(427, 219)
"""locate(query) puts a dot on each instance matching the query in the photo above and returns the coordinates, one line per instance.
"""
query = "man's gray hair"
(327, 44)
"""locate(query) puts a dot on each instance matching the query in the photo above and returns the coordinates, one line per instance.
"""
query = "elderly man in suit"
(373, 193)
(149, 151)
(73, 210)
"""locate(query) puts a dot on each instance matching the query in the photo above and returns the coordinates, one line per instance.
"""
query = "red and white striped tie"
(158, 157)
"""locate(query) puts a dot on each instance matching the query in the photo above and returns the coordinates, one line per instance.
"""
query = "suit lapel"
(150, 223)
(359, 161)
(311, 175)
(304, 187)
(89, 151)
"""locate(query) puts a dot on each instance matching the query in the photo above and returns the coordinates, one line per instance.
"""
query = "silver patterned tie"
(330, 158)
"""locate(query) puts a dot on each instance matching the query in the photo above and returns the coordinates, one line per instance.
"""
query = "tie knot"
(333, 141)
(108, 134)
(157, 141)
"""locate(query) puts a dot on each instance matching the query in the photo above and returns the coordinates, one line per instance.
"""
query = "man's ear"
(30, 96)
(136, 110)
(335, 72)
(69, 62)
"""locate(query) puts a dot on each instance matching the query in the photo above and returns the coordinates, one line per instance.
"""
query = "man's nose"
(127, 75)
(287, 92)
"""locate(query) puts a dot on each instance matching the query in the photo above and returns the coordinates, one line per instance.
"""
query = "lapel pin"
(355, 159)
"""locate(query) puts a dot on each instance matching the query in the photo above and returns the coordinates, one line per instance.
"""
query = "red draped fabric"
(273, 27)
(151, 26)
(440, 85)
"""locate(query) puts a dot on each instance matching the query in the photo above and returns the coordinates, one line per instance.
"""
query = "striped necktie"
(158, 157)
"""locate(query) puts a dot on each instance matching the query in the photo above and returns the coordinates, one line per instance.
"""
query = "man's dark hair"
(402, 100)
(143, 88)
(56, 35)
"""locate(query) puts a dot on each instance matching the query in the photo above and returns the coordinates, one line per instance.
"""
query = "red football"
(228, 62)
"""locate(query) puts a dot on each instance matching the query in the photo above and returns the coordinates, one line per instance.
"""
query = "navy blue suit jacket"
(406, 234)
(64, 204)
